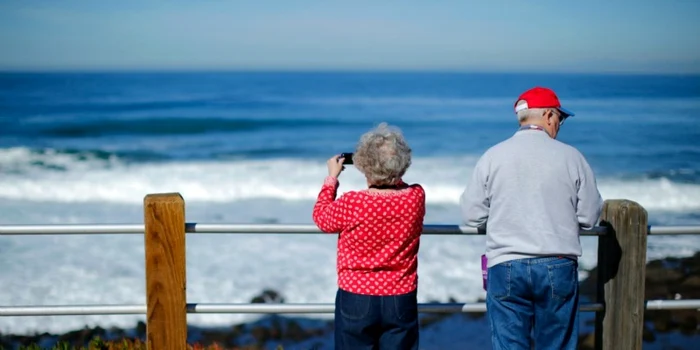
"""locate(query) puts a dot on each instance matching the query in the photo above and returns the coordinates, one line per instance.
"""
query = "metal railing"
(307, 308)
(82, 229)
(607, 239)
(203, 308)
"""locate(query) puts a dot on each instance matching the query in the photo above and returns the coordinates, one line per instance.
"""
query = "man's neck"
(534, 126)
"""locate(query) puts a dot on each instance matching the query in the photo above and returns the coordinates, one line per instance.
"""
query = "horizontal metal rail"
(330, 308)
(682, 304)
(80, 229)
(197, 308)
(7, 230)
(674, 230)
(64, 310)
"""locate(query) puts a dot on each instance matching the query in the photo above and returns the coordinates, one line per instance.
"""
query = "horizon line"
(331, 71)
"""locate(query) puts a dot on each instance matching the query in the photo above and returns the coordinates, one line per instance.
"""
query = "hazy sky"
(487, 35)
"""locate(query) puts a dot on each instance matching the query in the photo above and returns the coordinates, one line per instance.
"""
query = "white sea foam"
(61, 188)
(60, 177)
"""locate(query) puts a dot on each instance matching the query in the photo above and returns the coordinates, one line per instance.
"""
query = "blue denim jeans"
(376, 322)
(536, 296)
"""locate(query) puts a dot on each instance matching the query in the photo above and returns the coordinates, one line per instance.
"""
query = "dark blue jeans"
(537, 296)
(376, 322)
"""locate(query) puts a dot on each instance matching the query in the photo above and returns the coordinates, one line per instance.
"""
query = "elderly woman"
(380, 230)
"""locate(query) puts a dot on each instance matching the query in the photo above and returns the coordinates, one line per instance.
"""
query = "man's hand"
(335, 166)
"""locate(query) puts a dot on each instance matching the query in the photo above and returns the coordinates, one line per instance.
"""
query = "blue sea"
(251, 148)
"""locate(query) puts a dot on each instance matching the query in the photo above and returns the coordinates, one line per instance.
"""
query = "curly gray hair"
(382, 155)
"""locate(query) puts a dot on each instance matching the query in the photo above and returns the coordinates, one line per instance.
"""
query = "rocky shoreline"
(669, 278)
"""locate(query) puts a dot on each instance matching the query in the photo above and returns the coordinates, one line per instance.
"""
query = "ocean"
(251, 148)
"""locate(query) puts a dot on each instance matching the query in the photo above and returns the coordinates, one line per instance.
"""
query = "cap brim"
(566, 112)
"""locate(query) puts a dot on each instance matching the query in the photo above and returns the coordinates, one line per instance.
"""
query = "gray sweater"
(535, 192)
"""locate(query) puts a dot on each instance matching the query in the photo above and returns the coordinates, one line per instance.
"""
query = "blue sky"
(495, 35)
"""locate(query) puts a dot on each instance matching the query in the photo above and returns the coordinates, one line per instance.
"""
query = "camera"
(347, 158)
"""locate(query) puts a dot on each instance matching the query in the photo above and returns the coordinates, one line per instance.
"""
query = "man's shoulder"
(569, 149)
(503, 146)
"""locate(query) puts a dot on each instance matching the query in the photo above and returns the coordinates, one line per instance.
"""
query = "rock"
(268, 296)
(82, 337)
(692, 284)
(275, 328)
(656, 274)
(294, 331)
(669, 278)
(117, 332)
(688, 321)
(661, 319)
(260, 334)
(141, 330)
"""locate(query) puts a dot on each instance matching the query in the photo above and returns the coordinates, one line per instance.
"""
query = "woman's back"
(378, 250)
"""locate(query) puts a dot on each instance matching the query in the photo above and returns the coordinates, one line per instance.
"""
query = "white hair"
(530, 113)
(382, 155)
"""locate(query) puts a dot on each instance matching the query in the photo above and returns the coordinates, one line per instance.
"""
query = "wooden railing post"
(622, 254)
(166, 322)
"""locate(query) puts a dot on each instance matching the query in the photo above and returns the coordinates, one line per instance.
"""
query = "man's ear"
(548, 114)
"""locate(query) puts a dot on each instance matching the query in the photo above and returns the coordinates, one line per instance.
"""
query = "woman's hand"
(335, 166)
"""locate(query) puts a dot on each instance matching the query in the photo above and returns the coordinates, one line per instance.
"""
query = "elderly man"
(536, 193)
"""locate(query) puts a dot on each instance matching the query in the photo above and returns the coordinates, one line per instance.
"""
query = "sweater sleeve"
(474, 202)
(590, 203)
(329, 214)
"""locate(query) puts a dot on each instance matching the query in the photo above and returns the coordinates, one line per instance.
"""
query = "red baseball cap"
(541, 97)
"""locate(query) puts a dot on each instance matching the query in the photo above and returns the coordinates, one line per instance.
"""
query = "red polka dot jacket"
(379, 236)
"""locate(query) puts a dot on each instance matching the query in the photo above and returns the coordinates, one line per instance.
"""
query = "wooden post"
(622, 254)
(166, 322)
